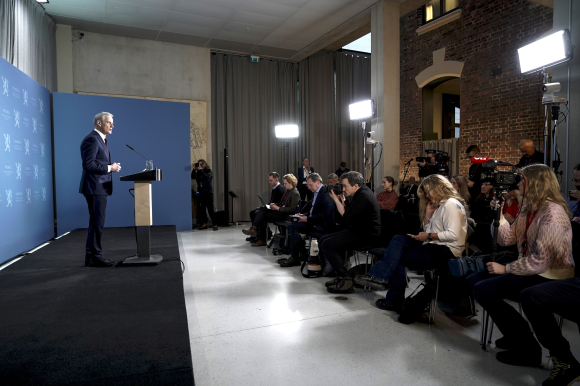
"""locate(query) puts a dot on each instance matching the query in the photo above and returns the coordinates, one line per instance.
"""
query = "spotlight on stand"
(361, 111)
(538, 56)
(546, 52)
(286, 133)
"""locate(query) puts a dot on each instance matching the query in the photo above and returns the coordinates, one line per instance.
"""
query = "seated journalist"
(276, 196)
(388, 198)
(317, 215)
(277, 212)
(362, 217)
(332, 179)
(442, 213)
(543, 235)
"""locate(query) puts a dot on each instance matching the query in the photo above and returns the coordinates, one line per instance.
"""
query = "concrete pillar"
(567, 15)
(64, 61)
(385, 85)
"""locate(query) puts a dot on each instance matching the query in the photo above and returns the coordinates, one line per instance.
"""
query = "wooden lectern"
(143, 217)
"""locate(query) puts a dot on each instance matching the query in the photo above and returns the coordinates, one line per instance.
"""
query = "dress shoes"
(291, 262)
(520, 357)
(250, 232)
(259, 243)
(102, 263)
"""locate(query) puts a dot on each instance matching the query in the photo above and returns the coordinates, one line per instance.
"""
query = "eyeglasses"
(307, 184)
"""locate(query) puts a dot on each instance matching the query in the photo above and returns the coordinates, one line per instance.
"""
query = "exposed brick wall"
(496, 111)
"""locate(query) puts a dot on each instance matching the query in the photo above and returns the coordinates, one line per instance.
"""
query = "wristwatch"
(429, 238)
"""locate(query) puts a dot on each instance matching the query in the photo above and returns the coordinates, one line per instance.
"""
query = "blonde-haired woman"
(543, 235)
(459, 182)
(277, 212)
(442, 214)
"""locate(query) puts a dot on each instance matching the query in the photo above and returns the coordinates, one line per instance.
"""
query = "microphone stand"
(407, 166)
(146, 159)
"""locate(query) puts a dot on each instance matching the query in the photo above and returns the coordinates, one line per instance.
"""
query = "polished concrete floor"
(254, 323)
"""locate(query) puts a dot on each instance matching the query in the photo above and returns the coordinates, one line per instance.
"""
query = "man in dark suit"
(278, 191)
(317, 215)
(302, 175)
(96, 184)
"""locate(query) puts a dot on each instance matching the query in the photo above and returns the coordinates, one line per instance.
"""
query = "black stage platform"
(62, 323)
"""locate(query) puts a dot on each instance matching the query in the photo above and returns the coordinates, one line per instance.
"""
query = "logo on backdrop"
(6, 142)
(8, 197)
(16, 118)
(41, 106)
(25, 93)
(28, 196)
(42, 149)
(26, 147)
(5, 86)
(34, 125)
(18, 170)
(35, 172)
(43, 194)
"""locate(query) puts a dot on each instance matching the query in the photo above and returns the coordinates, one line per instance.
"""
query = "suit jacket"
(536, 158)
(362, 214)
(291, 202)
(95, 180)
(322, 217)
(277, 194)
(301, 178)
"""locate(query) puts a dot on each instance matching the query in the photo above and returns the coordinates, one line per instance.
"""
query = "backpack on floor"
(416, 304)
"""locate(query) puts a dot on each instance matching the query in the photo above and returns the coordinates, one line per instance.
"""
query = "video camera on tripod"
(502, 180)
(441, 161)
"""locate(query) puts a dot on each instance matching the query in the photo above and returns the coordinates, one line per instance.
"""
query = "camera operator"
(204, 176)
(574, 195)
(543, 235)
(317, 215)
(388, 198)
(436, 163)
(529, 154)
(442, 214)
(474, 179)
(277, 212)
(363, 218)
(332, 179)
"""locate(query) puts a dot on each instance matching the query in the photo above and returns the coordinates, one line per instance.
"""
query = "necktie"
(284, 199)
(107, 144)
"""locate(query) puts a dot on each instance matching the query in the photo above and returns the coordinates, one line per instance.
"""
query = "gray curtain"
(28, 41)
(451, 146)
(248, 100)
(353, 84)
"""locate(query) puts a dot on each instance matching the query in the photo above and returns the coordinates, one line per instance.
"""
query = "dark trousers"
(205, 203)
(97, 210)
(404, 251)
(540, 302)
(334, 246)
(491, 290)
(264, 216)
(305, 193)
(294, 231)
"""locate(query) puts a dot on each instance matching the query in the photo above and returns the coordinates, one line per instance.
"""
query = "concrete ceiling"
(287, 29)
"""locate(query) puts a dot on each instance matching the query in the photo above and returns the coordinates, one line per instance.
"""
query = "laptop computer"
(263, 203)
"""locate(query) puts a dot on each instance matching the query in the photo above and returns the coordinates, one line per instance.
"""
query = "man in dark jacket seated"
(363, 221)
(278, 192)
(317, 215)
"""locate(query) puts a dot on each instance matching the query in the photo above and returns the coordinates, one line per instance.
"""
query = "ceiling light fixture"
(42, 1)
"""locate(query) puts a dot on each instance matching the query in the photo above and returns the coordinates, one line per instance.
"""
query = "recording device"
(196, 165)
(549, 89)
(441, 160)
(501, 180)
(336, 188)
(149, 165)
(295, 218)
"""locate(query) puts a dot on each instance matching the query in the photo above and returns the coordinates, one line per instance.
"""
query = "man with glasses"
(574, 196)
(529, 154)
(317, 215)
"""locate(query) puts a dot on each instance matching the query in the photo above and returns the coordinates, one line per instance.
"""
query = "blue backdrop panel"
(26, 204)
(158, 130)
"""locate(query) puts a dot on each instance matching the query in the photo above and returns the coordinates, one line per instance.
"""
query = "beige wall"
(108, 64)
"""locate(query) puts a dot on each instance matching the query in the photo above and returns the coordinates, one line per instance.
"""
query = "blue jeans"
(403, 251)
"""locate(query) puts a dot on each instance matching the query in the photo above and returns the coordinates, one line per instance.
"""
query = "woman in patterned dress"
(543, 235)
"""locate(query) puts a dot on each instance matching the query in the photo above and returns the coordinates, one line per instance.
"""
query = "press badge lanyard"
(528, 223)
